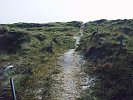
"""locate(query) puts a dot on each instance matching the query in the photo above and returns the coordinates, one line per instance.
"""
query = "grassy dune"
(33, 50)
(107, 46)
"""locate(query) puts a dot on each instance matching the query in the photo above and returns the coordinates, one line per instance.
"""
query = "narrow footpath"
(68, 84)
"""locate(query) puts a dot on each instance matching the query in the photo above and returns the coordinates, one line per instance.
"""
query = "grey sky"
(43, 11)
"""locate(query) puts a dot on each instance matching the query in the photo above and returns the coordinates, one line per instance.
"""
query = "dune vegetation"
(33, 49)
(107, 46)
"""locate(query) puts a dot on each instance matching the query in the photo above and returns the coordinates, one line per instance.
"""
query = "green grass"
(35, 57)
(106, 61)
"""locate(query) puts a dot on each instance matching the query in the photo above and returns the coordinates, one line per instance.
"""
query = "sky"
(43, 11)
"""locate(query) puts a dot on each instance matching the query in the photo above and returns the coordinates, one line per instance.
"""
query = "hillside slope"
(107, 46)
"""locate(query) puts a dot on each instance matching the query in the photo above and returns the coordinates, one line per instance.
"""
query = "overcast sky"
(42, 11)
